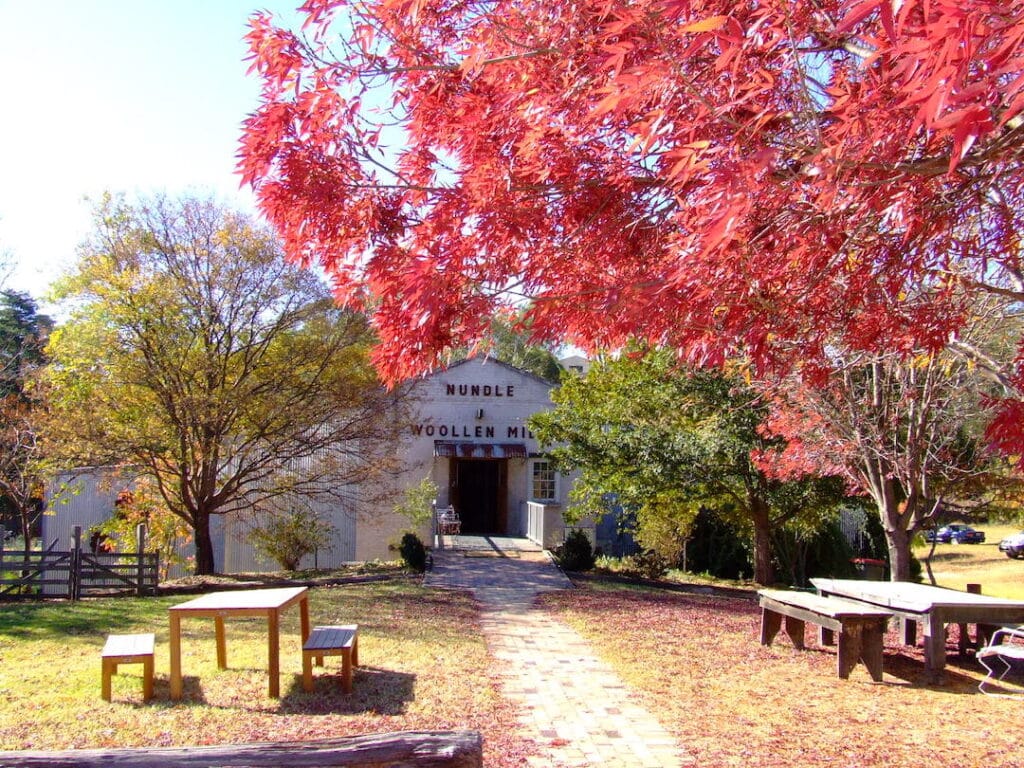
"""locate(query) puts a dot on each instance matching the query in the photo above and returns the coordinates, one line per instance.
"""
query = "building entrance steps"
(571, 703)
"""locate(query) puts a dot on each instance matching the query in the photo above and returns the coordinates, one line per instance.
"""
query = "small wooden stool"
(331, 641)
(129, 649)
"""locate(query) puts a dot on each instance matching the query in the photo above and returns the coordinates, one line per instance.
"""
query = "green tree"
(669, 442)
(23, 335)
(165, 531)
(508, 339)
(196, 355)
(514, 346)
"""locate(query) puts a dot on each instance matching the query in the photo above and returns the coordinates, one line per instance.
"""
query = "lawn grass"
(695, 662)
(957, 565)
(423, 665)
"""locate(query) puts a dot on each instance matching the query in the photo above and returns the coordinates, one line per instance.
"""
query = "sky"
(133, 96)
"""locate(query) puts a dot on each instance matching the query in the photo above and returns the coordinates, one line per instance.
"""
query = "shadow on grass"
(953, 556)
(904, 668)
(191, 692)
(59, 619)
(956, 678)
(374, 691)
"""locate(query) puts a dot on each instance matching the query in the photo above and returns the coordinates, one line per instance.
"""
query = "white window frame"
(535, 465)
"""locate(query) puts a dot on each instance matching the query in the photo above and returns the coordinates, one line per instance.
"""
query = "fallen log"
(407, 749)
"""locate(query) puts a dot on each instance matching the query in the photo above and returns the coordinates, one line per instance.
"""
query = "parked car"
(956, 533)
(1013, 545)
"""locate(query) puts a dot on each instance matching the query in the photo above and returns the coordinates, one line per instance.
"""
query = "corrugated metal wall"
(85, 497)
(82, 497)
(241, 557)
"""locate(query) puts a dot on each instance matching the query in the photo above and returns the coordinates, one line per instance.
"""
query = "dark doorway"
(478, 491)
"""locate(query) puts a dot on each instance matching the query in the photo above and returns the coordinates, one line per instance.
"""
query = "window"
(543, 481)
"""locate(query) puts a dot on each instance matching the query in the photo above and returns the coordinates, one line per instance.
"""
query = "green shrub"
(576, 552)
(287, 537)
(414, 554)
(647, 565)
(416, 503)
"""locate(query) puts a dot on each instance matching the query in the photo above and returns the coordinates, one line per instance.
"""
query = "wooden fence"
(78, 572)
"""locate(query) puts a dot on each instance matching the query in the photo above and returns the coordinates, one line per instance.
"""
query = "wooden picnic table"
(268, 603)
(931, 607)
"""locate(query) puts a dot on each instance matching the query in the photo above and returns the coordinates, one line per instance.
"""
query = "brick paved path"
(571, 703)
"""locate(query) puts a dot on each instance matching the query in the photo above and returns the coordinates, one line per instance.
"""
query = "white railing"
(544, 524)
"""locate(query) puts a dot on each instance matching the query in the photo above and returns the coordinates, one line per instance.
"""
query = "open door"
(478, 488)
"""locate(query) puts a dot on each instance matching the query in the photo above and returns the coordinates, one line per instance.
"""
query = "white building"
(471, 438)
(469, 435)
(577, 364)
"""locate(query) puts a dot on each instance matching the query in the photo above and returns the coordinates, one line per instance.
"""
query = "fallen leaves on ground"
(695, 662)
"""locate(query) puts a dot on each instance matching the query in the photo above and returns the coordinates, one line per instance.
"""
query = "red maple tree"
(763, 179)
(896, 430)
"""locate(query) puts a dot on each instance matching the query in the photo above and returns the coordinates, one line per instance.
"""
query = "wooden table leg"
(273, 652)
(346, 670)
(147, 678)
(935, 647)
(964, 641)
(304, 618)
(871, 648)
(175, 657)
(851, 641)
(771, 622)
(222, 645)
(795, 631)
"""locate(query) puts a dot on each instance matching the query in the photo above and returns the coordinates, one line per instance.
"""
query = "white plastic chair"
(1007, 643)
(448, 521)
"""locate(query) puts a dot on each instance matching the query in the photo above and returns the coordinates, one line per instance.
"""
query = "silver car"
(1013, 545)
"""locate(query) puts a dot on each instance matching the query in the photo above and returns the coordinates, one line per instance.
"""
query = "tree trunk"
(26, 528)
(763, 572)
(204, 544)
(883, 491)
(899, 553)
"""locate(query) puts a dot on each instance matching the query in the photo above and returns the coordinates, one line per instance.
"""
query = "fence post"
(140, 549)
(75, 566)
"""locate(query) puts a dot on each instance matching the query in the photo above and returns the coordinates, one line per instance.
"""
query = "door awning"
(452, 449)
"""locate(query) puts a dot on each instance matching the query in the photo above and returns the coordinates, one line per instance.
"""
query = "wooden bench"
(860, 626)
(128, 649)
(341, 641)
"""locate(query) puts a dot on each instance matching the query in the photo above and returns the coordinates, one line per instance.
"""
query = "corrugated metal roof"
(451, 449)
